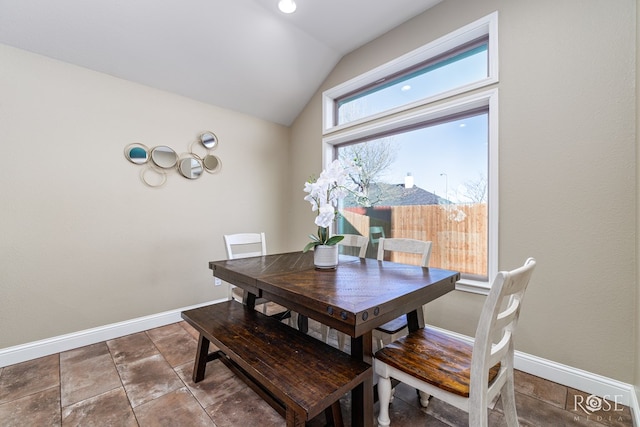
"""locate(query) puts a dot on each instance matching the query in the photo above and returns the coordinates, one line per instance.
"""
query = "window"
(462, 66)
(429, 168)
(459, 62)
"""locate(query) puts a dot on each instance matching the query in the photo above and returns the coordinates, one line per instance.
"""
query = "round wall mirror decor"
(190, 167)
(164, 156)
(209, 140)
(212, 164)
(137, 153)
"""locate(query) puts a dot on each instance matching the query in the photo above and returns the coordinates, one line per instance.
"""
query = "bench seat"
(295, 373)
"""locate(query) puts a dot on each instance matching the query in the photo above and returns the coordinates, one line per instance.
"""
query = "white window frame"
(482, 99)
(424, 111)
(486, 26)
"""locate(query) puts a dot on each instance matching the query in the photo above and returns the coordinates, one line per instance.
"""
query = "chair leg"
(508, 397)
(384, 397)
(324, 331)
(424, 398)
(479, 414)
(293, 320)
(377, 340)
(341, 340)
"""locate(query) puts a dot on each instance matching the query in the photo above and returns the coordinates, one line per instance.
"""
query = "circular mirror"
(137, 153)
(164, 157)
(211, 163)
(190, 167)
(209, 140)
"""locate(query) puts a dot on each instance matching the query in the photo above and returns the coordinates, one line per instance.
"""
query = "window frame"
(488, 98)
(483, 27)
(460, 100)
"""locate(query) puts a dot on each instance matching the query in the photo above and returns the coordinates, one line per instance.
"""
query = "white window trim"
(487, 25)
(481, 99)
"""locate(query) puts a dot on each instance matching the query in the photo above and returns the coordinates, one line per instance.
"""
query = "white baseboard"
(36, 349)
(562, 374)
(573, 377)
(594, 384)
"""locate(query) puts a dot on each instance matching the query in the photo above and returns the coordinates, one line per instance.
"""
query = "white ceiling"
(243, 55)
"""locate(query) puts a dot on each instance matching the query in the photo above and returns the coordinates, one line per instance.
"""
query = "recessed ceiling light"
(287, 6)
(405, 88)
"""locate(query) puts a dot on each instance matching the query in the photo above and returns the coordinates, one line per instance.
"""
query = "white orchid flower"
(324, 194)
(326, 215)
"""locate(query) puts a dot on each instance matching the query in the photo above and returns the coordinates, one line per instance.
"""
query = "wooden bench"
(296, 374)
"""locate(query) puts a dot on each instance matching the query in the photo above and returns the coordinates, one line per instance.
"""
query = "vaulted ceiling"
(244, 55)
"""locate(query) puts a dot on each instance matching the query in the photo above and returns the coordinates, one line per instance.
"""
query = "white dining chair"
(376, 232)
(466, 375)
(245, 245)
(356, 241)
(394, 329)
(361, 243)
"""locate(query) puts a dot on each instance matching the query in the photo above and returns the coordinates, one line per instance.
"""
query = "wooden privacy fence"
(458, 232)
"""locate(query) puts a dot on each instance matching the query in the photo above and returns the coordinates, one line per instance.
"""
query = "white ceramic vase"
(325, 256)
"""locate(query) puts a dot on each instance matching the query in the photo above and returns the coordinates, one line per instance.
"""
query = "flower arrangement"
(334, 183)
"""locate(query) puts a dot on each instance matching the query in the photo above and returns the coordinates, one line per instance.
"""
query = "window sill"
(473, 286)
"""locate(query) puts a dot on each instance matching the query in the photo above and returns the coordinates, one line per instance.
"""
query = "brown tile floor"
(144, 379)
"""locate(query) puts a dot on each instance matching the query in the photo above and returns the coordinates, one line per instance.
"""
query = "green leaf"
(314, 238)
(310, 245)
(334, 239)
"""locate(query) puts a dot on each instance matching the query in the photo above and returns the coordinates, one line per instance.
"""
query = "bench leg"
(333, 414)
(294, 419)
(201, 359)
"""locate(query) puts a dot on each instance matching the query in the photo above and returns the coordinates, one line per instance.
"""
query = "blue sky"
(458, 149)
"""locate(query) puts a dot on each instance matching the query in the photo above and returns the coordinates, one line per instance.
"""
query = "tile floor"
(144, 379)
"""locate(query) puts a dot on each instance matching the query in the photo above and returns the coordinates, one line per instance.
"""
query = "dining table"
(357, 296)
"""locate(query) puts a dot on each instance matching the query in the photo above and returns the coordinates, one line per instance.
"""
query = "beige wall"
(567, 170)
(84, 242)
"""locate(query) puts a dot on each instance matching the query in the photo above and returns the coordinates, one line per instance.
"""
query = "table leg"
(249, 299)
(415, 320)
(303, 323)
(362, 395)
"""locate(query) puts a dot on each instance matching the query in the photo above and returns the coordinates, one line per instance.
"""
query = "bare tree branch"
(373, 158)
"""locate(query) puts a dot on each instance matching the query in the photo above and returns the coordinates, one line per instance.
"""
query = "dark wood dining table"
(355, 298)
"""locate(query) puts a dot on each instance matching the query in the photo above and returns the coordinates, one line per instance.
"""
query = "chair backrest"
(375, 233)
(411, 246)
(494, 334)
(247, 241)
(357, 241)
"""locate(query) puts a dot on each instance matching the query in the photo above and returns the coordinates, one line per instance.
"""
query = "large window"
(429, 168)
